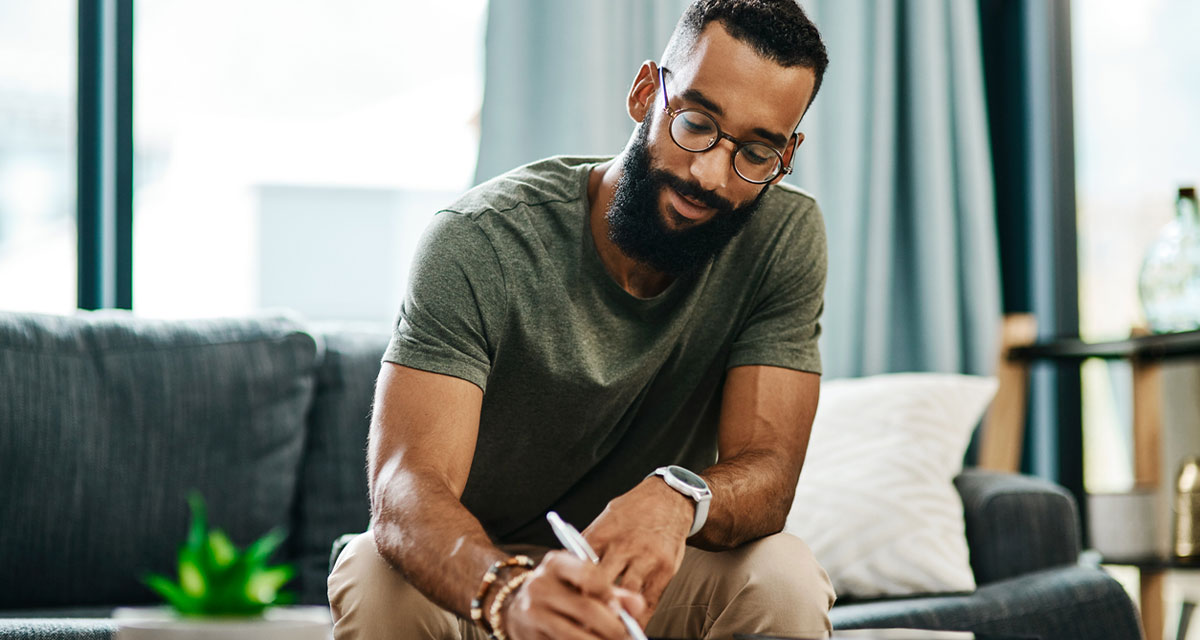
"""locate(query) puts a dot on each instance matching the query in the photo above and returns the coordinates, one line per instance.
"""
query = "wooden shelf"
(1153, 563)
(1161, 346)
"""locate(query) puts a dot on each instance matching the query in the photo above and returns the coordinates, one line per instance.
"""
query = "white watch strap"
(701, 517)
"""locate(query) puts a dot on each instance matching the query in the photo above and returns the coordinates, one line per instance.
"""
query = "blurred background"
(972, 158)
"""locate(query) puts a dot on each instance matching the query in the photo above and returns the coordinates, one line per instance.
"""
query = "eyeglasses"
(696, 131)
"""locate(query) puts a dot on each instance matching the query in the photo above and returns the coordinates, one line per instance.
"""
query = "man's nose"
(711, 168)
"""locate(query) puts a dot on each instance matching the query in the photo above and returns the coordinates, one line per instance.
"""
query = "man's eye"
(757, 155)
(696, 124)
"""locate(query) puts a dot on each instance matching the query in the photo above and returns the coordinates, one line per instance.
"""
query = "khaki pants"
(770, 586)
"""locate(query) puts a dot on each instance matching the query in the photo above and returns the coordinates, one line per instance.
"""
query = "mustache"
(692, 190)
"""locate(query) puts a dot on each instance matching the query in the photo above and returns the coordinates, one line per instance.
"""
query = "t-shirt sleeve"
(784, 322)
(450, 316)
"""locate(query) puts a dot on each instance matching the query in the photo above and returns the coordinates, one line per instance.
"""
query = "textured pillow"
(106, 423)
(876, 500)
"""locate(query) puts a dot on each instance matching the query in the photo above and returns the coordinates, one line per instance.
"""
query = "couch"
(107, 422)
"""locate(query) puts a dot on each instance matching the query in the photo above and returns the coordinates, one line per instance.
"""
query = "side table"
(1004, 431)
(891, 634)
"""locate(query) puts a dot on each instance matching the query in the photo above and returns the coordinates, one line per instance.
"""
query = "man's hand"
(571, 599)
(640, 538)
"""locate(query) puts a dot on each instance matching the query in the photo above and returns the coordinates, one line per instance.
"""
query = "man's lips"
(687, 207)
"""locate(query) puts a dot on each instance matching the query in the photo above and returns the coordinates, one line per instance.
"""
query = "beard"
(640, 231)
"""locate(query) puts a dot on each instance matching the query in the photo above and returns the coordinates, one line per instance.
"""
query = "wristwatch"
(690, 485)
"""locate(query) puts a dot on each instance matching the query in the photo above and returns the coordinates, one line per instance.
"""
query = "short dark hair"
(778, 30)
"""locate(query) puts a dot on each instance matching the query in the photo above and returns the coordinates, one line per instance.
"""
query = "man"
(577, 326)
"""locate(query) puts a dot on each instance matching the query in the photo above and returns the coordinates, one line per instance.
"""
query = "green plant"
(216, 579)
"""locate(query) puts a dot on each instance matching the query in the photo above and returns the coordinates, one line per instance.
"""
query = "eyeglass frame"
(783, 169)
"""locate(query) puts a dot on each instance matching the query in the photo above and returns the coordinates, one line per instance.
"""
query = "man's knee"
(783, 564)
(778, 581)
(370, 599)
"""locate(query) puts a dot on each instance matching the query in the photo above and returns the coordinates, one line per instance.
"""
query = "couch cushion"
(333, 484)
(107, 422)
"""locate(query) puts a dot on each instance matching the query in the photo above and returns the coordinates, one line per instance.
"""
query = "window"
(37, 155)
(288, 154)
(1136, 95)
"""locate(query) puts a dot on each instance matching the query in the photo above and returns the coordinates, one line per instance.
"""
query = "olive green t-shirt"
(587, 388)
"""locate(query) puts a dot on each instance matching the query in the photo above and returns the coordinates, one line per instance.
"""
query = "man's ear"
(788, 154)
(643, 92)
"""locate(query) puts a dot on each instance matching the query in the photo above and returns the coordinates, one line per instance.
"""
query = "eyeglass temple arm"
(787, 169)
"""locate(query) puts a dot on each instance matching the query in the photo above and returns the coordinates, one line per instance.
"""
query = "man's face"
(658, 235)
(674, 209)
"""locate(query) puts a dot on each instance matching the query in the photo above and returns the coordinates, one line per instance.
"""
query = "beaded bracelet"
(488, 579)
(495, 617)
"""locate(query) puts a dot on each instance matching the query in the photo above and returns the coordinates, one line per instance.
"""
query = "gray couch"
(106, 422)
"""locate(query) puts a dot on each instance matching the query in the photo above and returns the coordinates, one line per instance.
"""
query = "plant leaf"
(171, 592)
(263, 586)
(221, 551)
(199, 529)
(260, 550)
(191, 576)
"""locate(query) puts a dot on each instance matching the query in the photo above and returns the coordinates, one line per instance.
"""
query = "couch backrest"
(332, 492)
(107, 422)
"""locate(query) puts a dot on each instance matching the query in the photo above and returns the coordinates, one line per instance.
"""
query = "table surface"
(892, 634)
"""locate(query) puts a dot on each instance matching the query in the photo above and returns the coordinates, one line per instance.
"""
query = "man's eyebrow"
(779, 140)
(694, 95)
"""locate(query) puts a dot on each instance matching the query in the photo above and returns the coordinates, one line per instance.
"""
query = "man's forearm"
(752, 493)
(422, 529)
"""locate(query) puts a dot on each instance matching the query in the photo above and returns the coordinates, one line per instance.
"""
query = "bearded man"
(630, 342)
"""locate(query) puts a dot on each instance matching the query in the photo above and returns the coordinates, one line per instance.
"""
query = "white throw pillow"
(876, 500)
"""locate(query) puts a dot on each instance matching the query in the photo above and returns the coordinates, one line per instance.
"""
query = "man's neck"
(638, 279)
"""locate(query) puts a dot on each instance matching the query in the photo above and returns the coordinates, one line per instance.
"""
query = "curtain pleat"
(898, 155)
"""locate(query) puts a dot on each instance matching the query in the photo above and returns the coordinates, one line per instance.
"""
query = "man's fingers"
(559, 596)
(630, 601)
(581, 574)
(590, 614)
(558, 626)
(640, 571)
(653, 590)
(613, 565)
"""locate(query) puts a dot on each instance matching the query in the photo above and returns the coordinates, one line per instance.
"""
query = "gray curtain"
(897, 154)
(557, 73)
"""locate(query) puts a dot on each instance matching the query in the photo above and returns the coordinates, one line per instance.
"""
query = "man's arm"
(423, 433)
(766, 419)
(422, 442)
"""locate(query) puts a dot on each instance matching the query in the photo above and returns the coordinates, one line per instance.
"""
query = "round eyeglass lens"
(693, 130)
(757, 162)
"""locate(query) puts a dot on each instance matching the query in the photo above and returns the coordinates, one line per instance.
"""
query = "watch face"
(688, 478)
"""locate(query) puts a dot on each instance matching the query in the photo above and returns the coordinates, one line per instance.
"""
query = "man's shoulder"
(788, 222)
(790, 197)
(554, 180)
(786, 210)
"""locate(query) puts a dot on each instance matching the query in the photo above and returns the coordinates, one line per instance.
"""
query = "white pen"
(573, 541)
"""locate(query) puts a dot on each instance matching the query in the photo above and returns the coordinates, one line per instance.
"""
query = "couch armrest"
(1067, 603)
(1017, 524)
